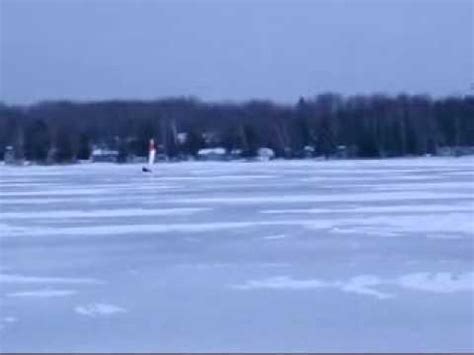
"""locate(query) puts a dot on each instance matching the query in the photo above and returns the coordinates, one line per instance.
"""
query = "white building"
(104, 155)
(216, 154)
(265, 154)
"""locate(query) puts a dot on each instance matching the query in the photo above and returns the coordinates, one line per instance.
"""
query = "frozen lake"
(278, 256)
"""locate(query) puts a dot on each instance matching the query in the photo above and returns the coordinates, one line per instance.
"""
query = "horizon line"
(196, 98)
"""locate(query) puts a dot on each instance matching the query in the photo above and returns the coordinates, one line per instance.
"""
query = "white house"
(265, 154)
(104, 155)
(216, 154)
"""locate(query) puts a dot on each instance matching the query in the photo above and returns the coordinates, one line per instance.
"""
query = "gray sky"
(232, 49)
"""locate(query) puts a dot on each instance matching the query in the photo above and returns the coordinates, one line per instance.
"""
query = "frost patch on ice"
(352, 197)
(443, 236)
(362, 285)
(59, 190)
(99, 309)
(14, 278)
(9, 319)
(232, 265)
(447, 223)
(165, 228)
(274, 237)
(206, 265)
(420, 187)
(55, 192)
(122, 212)
(359, 284)
(255, 200)
(42, 293)
(367, 225)
(4, 321)
(192, 239)
(219, 177)
(343, 230)
(282, 283)
(443, 282)
(298, 211)
(271, 265)
(377, 231)
(466, 207)
(8, 230)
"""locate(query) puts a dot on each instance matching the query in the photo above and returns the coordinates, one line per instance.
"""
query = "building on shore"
(212, 154)
(264, 154)
(100, 155)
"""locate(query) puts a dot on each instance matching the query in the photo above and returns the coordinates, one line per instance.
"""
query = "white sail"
(151, 157)
(151, 153)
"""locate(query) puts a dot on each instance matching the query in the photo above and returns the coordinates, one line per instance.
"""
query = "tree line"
(363, 126)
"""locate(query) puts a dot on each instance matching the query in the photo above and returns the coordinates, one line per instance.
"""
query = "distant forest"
(364, 126)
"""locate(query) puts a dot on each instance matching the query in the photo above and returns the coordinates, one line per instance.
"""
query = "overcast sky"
(233, 49)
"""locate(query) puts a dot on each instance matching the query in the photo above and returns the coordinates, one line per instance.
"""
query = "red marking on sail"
(152, 145)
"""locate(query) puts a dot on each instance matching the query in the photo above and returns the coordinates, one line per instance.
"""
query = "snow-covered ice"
(279, 256)
(98, 309)
(42, 293)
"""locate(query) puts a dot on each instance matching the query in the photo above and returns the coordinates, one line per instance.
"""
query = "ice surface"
(98, 309)
(443, 282)
(42, 293)
(21, 279)
(117, 212)
(300, 256)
